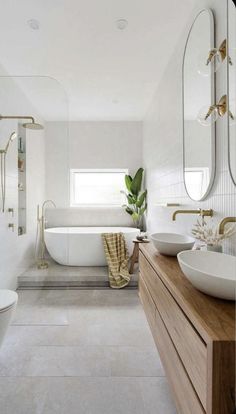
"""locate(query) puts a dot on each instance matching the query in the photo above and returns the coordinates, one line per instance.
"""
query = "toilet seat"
(8, 298)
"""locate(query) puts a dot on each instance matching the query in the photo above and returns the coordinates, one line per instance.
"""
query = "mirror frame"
(213, 97)
(228, 94)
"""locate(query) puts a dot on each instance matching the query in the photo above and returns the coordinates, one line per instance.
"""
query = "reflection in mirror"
(198, 96)
(232, 87)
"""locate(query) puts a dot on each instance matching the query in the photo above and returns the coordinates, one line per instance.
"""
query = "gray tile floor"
(81, 352)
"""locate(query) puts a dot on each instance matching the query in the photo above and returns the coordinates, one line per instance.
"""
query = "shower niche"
(21, 180)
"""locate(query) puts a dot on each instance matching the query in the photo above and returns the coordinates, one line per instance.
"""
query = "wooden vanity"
(194, 334)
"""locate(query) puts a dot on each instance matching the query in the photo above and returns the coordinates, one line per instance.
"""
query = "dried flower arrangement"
(210, 233)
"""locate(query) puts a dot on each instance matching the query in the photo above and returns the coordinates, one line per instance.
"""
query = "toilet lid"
(7, 298)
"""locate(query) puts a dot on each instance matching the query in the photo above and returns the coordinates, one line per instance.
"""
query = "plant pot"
(217, 248)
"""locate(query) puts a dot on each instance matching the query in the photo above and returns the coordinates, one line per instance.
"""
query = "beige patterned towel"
(117, 259)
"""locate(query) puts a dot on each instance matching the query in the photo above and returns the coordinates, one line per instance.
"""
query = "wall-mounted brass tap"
(199, 212)
(225, 221)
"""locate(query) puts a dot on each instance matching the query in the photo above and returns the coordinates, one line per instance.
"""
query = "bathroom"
(112, 87)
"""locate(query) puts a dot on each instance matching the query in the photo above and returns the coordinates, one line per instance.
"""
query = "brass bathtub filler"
(40, 256)
(225, 221)
(199, 212)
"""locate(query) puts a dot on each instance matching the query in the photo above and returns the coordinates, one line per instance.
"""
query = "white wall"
(17, 252)
(90, 145)
(163, 149)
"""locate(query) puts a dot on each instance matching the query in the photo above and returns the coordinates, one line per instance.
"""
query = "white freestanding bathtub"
(82, 246)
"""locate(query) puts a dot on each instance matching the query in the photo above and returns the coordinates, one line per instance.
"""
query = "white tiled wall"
(88, 145)
(163, 146)
(88, 216)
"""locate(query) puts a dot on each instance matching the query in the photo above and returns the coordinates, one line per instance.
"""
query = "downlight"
(121, 24)
(33, 24)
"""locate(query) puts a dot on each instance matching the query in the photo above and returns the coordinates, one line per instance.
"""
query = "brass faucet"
(225, 221)
(200, 212)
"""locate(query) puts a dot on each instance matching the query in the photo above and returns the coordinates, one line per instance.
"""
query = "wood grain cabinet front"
(200, 368)
(186, 398)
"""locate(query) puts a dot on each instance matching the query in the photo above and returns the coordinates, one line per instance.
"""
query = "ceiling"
(106, 73)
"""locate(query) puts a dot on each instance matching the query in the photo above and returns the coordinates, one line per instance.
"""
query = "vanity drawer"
(189, 345)
(148, 304)
(185, 396)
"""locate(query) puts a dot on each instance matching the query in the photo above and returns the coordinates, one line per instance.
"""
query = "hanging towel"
(117, 259)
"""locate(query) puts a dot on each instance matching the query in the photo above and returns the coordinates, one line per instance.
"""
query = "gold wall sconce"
(218, 56)
(209, 115)
(215, 59)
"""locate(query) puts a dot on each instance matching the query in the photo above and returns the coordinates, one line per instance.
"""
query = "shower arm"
(17, 117)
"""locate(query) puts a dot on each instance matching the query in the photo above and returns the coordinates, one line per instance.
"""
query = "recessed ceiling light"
(121, 24)
(33, 24)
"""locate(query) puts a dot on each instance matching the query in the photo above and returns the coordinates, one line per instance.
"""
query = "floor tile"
(85, 396)
(86, 352)
(40, 315)
(54, 361)
(22, 395)
(135, 362)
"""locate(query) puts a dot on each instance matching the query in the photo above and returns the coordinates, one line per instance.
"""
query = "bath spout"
(42, 263)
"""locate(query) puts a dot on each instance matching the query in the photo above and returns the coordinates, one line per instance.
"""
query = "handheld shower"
(11, 138)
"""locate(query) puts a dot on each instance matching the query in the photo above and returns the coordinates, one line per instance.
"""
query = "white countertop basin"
(171, 244)
(210, 272)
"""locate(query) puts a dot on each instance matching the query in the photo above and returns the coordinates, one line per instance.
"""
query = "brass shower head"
(32, 125)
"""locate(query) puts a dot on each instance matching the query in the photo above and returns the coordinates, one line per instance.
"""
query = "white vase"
(217, 248)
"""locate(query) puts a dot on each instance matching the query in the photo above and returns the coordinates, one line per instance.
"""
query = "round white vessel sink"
(212, 273)
(171, 244)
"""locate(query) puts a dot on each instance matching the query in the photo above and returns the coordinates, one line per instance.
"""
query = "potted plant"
(137, 199)
(209, 234)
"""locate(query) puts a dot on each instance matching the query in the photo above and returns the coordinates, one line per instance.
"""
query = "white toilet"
(8, 301)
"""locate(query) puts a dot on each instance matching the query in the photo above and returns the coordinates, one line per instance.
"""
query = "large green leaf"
(131, 199)
(141, 199)
(128, 182)
(137, 182)
(129, 211)
(142, 210)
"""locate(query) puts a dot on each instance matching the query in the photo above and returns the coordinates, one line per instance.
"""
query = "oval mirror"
(198, 96)
(232, 87)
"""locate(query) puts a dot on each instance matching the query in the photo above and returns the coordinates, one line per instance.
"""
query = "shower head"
(32, 125)
(29, 125)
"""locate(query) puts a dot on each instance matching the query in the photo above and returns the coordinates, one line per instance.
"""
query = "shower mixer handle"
(11, 226)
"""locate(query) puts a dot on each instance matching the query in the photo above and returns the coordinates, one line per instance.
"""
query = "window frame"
(73, 171)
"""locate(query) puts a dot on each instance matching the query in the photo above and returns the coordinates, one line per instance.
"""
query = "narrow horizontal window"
(97, 187)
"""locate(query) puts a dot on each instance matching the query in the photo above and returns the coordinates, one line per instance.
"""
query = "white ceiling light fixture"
(121, 24)
(33, 24)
